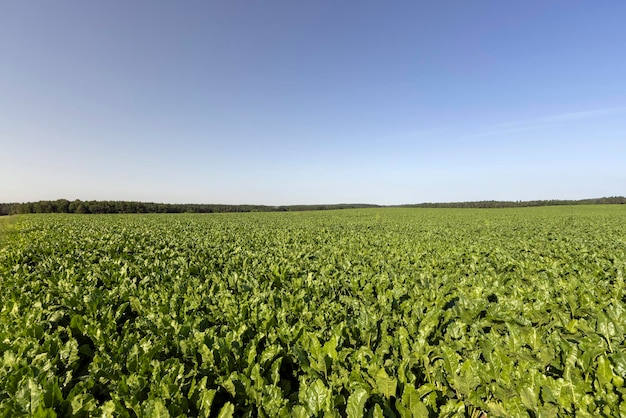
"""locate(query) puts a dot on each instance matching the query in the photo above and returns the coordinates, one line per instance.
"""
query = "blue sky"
(284, 102)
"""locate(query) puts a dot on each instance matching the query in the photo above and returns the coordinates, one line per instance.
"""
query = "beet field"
(371, 312)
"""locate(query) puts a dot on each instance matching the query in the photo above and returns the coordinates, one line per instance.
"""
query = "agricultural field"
(371, 312)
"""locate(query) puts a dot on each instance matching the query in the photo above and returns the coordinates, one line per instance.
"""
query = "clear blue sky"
(296, 102)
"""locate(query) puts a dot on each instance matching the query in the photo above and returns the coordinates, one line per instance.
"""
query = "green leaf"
(452, 408)
(604, 372)
(468, 378)
(497, 410)
(356, 403)
(330, 348)
(155, 408)
(52, 393)
(42, 412)
(206, 400)
(403, 411)
(529, 398)
(315, 348)
(29, 395)
(299, 411)
(385, 385)
(377, 412)
(108, 409)
(411, 400)
(316, 396)
(227, 411)
(82, 403)
(77, 324)
(270, 353)
(605, 327)
(403, 339)
(207, 356)
(229, 385)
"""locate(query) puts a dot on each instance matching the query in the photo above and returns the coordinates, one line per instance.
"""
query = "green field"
(370, 312)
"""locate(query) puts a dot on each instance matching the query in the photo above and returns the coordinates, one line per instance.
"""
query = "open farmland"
(375, 312)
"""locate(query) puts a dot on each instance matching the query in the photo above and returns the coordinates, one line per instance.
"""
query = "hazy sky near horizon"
(284, 102)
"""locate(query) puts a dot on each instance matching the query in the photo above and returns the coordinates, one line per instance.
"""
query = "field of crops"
(372, 312)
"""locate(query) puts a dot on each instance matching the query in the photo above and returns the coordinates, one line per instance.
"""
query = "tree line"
(109, 206)
(521, 203)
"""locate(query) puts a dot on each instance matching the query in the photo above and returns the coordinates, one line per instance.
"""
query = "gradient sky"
(303, 102)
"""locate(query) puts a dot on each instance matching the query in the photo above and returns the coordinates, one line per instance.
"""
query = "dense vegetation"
(109, 206)
(376, 312)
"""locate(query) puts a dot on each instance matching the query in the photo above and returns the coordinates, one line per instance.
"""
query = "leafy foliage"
(374, 312)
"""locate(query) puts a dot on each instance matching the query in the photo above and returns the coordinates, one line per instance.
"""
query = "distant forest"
(93, 206)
